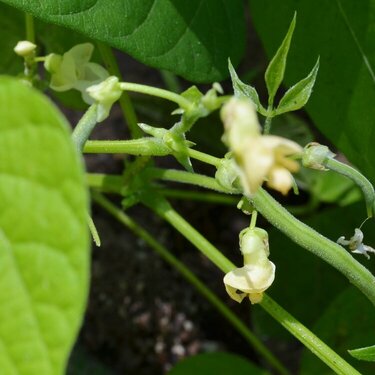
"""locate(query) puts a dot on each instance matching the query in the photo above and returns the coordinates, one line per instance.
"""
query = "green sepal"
(364, 354)
(298, 95)
(275, 71)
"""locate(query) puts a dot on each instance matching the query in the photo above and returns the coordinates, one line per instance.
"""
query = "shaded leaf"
(298, 95)
(44, 243)
(275, 71)
(190, 38)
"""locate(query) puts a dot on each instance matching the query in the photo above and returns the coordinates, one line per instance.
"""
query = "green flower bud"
(105, 95)
(314, 156)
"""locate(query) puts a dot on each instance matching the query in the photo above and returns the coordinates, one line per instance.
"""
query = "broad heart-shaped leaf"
(342, 34)
(348, 321)
(219, 363)
(364, 354)
(298, 95)
(275, 71)
(44, 243)
(191, 38)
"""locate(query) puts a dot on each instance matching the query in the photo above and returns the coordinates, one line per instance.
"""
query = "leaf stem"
(167, 256)
(125, 102)
(297, 329)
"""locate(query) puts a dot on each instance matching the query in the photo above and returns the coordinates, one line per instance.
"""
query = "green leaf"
(44, 242)
(364, 354)
(342, 34)
(298, 95)
(243, 90)
(216, 364)
(348, 321)
(190, 38)
(276, 68)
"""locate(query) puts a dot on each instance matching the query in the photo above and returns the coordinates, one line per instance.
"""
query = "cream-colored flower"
(267, 158)
(105, 94)
(258, 272)
(73, 70)
(260, 157)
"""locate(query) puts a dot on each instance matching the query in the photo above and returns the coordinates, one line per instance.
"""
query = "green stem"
(308, 339)
(154, 91)
(199, 196)
(358, 178)
(299, 232)
(203, 157)
(84, 127)
(146, 146)
(166, 255)
(186, 178)
(143, 146)
(313, 241)
(125, 102)
(30, 31)
(319, 348)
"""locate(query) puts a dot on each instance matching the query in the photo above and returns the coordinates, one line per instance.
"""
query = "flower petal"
(280, 179)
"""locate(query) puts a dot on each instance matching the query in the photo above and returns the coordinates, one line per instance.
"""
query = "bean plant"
(45, 192)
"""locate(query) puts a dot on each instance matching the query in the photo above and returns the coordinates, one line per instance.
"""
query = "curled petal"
(249, 279)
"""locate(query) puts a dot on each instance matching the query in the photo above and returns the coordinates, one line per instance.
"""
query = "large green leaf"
(218, 363)
(191, 38)
(348, 322)
(342, 33)
(44, 243)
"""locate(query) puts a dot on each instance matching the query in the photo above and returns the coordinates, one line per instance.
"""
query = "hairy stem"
(167, 256)
(358, 178)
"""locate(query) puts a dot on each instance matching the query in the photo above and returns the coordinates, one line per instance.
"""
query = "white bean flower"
(73, 70)
(355, 244)
(260, 157)
(258, 272)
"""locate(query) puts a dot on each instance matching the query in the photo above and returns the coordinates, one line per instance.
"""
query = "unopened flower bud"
(24, 48)
(314, 156)
(105, 94)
